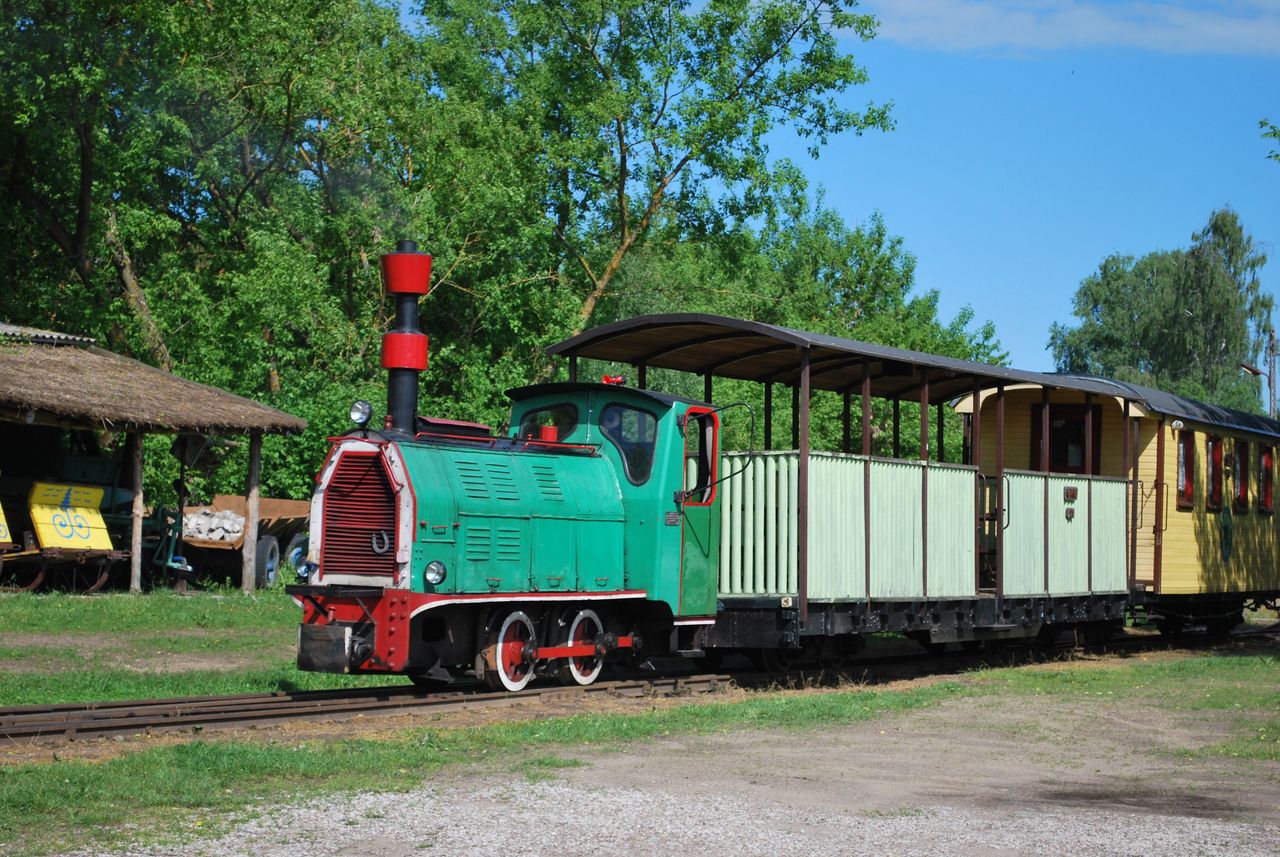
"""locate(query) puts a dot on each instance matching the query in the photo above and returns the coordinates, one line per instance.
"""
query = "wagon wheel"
(505, 665)
(585, 629)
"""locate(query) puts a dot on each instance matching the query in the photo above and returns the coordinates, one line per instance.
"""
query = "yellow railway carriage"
(1200, 524)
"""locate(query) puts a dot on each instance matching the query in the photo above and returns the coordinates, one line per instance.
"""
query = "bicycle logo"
(69, 526)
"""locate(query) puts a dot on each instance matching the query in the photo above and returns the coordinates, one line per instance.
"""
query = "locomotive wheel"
(585, 628)
(505, 667)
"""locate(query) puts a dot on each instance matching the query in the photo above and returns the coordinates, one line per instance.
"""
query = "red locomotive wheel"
(504, 660)
(585, 629)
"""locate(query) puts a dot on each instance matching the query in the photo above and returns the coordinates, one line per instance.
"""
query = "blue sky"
(1036, 137)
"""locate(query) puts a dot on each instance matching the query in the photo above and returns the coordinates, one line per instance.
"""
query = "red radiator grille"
(359, 515)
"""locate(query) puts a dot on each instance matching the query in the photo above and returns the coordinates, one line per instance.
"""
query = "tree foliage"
(1182, 320)
(207, 186)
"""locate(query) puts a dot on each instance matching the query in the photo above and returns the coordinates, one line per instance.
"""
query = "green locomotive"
(438, 547)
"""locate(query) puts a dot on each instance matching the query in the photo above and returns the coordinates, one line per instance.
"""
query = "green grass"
(179, 790)
(223, 609)
(176, 791)
(124, 647)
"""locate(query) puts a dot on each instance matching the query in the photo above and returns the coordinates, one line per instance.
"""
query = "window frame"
(699, 413)
(617, 445)
(561, 435)
(1186, 484)
(1213, 472)
(1266, 479)
(1240, 475)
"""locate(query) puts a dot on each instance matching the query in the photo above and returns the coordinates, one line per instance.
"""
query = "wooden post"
(924, 482)
(706, 388)
(866, 481)
(802, 512)
(1000, 498)
(768, 415)
(846, 439)
(139, 510)
(250, 551)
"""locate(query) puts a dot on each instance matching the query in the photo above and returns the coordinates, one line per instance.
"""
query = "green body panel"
(952, 521)
(1108, 536)
(758, 527)
(1024, 535)
(897, 565)
(758, 523)
(1068, 537)
(638, 543)
(514, 522)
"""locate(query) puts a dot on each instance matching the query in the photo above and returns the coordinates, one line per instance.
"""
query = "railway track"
(69, 722)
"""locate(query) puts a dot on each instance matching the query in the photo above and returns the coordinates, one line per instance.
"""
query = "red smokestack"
(406, 274)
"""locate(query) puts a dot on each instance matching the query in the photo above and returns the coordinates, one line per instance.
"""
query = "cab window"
(700, 458)
(554, 423)
(633, 433)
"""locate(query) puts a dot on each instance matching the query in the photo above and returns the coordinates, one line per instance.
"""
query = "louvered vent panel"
(479, 543)
(359, 515)
(502, 480)
(544, 476)
(471, 478)
(510, 545)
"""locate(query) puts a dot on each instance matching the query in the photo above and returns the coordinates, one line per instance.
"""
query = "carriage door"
(700, 519)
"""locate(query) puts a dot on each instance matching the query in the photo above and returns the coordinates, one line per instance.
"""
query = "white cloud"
(1231, 27)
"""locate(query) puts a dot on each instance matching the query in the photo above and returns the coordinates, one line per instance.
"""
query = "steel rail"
(66, 722)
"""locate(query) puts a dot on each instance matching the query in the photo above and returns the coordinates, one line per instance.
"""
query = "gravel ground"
(567, 819)
(962, 778)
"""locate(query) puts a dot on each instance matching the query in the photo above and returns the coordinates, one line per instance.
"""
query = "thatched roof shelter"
(61, 379)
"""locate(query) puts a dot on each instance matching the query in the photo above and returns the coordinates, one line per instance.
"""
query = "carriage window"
(633, 433)
(1186, 468)
(700, 457)
(558, 420)
(1240, 475)
(1213, 458)
(1266, 479)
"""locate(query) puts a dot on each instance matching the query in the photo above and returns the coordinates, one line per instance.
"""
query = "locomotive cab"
(663, 452)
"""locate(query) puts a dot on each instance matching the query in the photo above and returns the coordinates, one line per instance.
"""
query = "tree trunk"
(135, 297)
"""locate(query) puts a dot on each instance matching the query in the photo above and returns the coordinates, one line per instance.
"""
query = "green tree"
(1181, 320)
(1271, 132)
(641, 103)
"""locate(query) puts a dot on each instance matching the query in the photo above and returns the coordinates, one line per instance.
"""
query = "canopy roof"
(61, 379)
(750, 350)
(755, 351)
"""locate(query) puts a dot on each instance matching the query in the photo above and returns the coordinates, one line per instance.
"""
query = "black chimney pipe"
(406, 274)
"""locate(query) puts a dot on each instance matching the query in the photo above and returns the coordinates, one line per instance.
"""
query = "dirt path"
(968, 777)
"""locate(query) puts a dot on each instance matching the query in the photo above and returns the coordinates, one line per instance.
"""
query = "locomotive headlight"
(435, 572)
(361, 412)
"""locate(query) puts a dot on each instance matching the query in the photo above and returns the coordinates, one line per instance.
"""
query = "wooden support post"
(897, 429)
(940, 451)
(802, 512)
(137, 512)
(795, 416)
(1044, 468)
(573, 369)
(706, 388)
(768, 415)
(924, 482)
(1000, 498)
(250, 550)
(1088, 475)
(980, 503)
(866, 480)
(643, 380)
(1128, 487)
(846, 438)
